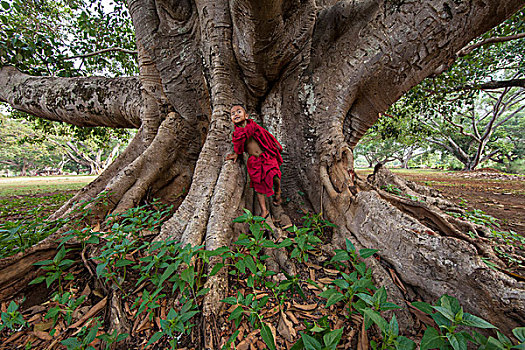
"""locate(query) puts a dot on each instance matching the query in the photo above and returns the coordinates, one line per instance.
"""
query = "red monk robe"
(264, 168)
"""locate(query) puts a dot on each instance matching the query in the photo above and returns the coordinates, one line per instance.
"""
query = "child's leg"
(277, 188)
(262, 202)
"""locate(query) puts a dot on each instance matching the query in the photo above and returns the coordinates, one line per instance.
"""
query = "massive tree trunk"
(317, 75)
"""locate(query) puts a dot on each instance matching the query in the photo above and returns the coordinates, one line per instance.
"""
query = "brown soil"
(497, 194)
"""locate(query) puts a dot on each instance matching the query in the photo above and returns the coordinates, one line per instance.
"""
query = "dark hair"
(240, 104)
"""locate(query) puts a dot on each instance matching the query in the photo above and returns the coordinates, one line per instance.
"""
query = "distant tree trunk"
(316, 75)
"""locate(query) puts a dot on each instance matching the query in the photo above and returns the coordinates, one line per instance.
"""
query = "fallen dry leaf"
(397, 281)
(286, 328)
(362, 343)
(42, 335)
(331, 272)
(292, 317)
(313, 266)
(94, 310)
(34, 318)
(43, 326)
(312, 275)
(307, 307)
(326, 280)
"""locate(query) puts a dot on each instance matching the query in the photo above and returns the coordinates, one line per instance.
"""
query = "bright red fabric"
(264, 168)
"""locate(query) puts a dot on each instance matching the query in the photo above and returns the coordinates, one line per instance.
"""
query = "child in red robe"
(265, 156)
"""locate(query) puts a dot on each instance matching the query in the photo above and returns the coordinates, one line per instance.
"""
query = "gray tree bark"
(316, 74)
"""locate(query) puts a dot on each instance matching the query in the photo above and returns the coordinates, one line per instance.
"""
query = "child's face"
(238, 115)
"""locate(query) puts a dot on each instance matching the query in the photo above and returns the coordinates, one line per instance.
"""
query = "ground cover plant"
(329, 301)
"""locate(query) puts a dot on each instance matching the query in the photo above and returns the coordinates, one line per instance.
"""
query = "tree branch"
(468, 49)
(93, 101)
(95, 53)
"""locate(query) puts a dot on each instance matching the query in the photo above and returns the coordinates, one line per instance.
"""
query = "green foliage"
(503, 238)
(32, 146)
(39, 37)
(451, 114)
(451, 321)
(65, 305)
(175, 324)
(12, 318)
(165, 268)
(318, 336)
(55, 269)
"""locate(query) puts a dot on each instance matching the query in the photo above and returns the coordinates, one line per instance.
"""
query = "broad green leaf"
(394, 326)
(366, 298)
(167, 273)
(310, 343)
(425, 307)
(328, 293)
(340, 255)
(216, 269)
(377, 319)
(71, 343)
(366, 253)
(475, 321)
(349, 246)
(286, 243)
(519, 333)
(445, 312)
(334, 298)
(332, 339)
(154, 338)
(123, 262)
(230, 300)
(267, 336)
(389, 306)
(12, 307)
(457, 341)
(235, 314)
(45, 262)
(37, 280)
(403, 343)
(250, 264)
(431, 339)
(341, 284)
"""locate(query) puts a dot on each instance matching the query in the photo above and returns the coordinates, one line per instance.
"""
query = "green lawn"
(23, 198)
(20, 186)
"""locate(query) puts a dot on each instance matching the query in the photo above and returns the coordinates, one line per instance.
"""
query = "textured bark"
(93, 101)
(316, 75)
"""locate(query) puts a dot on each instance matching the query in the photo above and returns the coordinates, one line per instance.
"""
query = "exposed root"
(434, 265)
(18, 270)
(427, 210)
(134, 149)
(118, 320)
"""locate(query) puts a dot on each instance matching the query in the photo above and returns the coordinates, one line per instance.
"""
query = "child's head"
(238, 115)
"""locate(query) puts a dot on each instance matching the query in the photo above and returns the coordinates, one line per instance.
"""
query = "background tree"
(480, 91)
(318, 74)
(25, 152)
(471, 136)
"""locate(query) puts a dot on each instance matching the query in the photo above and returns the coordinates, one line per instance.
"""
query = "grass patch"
(36, 197)
(19, 186)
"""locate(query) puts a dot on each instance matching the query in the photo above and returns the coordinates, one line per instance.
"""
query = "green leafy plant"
(318, 336)
(305, 240)
(85, 337)
(55, 268)
(450, 317)
(176, 324)
(12, 318)
(112, 338)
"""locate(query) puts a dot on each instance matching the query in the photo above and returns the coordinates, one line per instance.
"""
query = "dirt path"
(498, 195)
